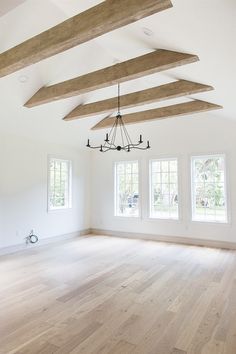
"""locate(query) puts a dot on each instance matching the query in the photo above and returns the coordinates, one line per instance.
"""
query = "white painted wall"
(23, 191)
(23, 182)
(177, 137)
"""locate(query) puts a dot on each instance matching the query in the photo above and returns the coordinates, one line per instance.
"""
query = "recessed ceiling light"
(23, 79)
(147, 32)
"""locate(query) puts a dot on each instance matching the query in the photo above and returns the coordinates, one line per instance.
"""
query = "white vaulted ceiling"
(204, 27)
(8, 5)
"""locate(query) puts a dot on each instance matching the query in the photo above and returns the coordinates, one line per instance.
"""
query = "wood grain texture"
(119, 296)
(161, 113)
(147, 64)
(156, 94)
(96, 21)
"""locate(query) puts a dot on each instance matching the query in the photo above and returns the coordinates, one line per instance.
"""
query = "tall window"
(164, 189)
(209, 189)
(127, 188)
(59, 191)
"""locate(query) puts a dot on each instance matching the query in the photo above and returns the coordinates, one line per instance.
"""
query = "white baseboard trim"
(122, 234)
(170, 239)
(42, 242)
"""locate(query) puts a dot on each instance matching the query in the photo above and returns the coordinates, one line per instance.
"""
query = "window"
(59, 192)
(164, 189)
(127, 188)
(209, 189)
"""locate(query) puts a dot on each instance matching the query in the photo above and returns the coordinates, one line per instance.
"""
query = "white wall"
(23, 182)
(23, 191)
(177, 137)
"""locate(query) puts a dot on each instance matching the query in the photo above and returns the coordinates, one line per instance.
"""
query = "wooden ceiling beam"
(156, 94)
(180, 109)
(96, 21)
(147, 64)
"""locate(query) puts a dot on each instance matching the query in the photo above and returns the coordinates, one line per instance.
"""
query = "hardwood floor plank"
(73, 342)
(178, 351)
(122, 347)
(41, 347)
(113, 295)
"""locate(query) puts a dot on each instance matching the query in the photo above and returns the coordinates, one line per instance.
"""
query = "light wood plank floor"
(108, 295)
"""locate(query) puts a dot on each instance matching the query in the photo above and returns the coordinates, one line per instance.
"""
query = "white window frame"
(150, 188)
(69, 203)
(115, 163)
(206, 156)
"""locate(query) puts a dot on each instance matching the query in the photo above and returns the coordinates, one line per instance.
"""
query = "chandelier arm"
(113, 126)
(114, 146)
(114, 136)
(132, 146)
(126, 133)
(113, 132)
(107, 149)
(136, 144)
(122, 138)
(128, 140)
(122, 135)
(95, 147)
(128, 137)
(110, 145)
(141, 148)
(106, 145)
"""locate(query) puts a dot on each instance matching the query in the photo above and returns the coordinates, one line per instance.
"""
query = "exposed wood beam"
(131, 69)
(156, 94)
(96, 21)
(181, 109)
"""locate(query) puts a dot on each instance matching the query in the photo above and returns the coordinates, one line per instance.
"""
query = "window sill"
(59, 210)
(127, 217)
(213, 222)
(153, 219)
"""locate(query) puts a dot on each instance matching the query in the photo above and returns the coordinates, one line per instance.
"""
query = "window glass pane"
(156, 167)
(135, 178)
(127, 189)
(173, 166)
(128, 168)
(164, 189)
(135, 168)
(165, 166)
(209, 189)
(59, 183)
(173, 177)
(120, 168)
(165, 177)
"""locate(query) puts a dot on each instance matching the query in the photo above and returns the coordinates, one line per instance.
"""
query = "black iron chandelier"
(110, 142)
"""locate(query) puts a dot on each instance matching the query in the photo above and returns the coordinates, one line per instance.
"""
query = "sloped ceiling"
(8, 5)
(204, 27)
